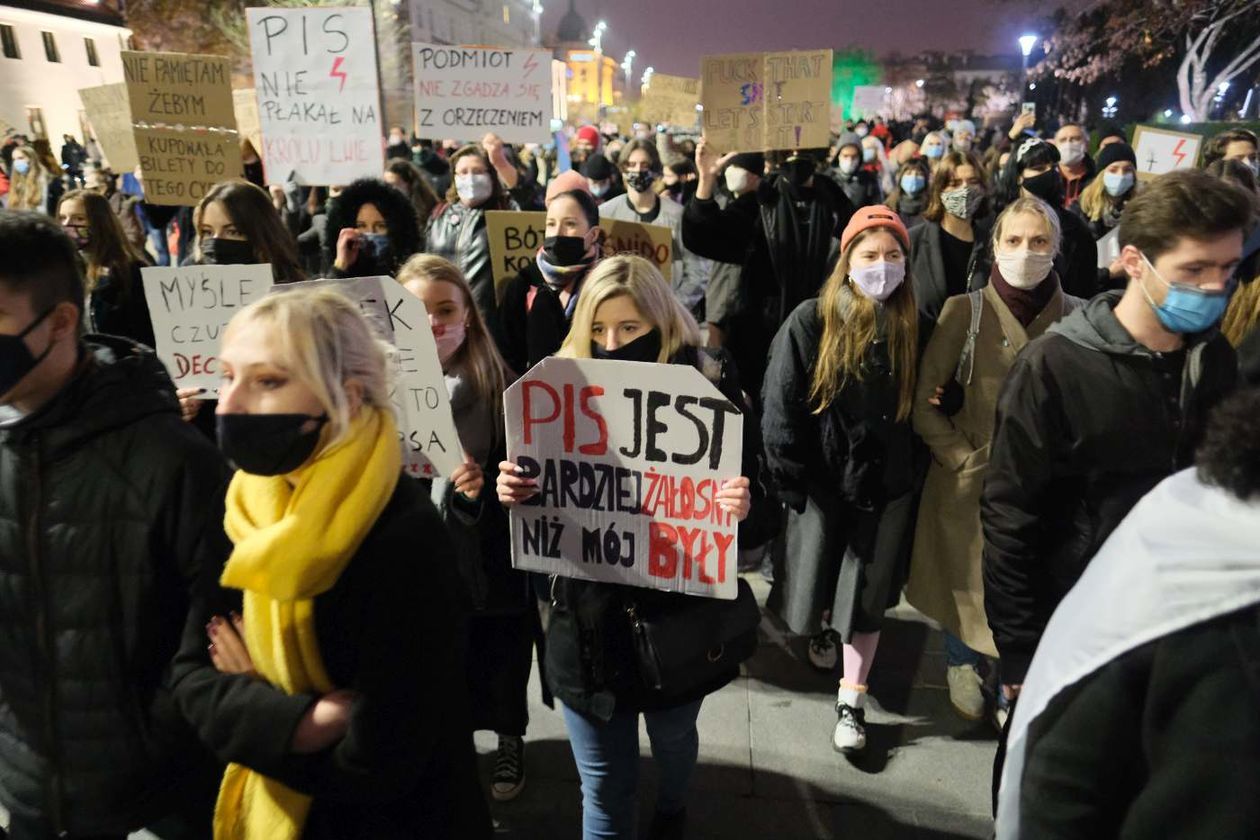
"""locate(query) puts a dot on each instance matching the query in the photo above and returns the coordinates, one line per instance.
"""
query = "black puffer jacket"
(106, 501)
(1088, 421)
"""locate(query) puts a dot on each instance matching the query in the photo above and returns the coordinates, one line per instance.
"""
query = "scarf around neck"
(1025, 304)
(291, 543)
(559, 277)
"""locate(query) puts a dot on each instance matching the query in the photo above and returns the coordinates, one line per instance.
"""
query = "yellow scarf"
(291, 543)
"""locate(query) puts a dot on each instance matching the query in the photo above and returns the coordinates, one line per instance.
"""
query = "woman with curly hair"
(376, 230)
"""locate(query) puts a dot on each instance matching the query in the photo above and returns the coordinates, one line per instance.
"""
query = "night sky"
(671, 35)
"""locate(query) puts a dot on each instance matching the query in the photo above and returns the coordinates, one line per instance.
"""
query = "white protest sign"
(431, 446)
(1159, 150)
(1109, 248)
(318, 102)
(868, 100)
(628, 474)
(190, 307)
(465, 92)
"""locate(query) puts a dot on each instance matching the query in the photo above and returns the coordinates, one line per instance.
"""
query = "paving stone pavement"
(767, 769)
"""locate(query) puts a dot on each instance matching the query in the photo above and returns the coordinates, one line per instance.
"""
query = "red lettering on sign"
(600, 446)
(662, 558)
(527, 399)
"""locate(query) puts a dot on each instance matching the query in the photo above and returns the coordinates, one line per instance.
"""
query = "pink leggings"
(859, 656)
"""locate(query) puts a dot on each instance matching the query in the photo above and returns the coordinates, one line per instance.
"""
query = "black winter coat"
(857, 449)
(1162, 742)
(590, 658)
(861, 188)
(927, 266)
(106, 501)
(390, 629)
(1084, 429)
(117, 306)
(528, 332)
(787, 242)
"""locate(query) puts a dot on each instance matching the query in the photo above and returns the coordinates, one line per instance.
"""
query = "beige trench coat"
(946, 582)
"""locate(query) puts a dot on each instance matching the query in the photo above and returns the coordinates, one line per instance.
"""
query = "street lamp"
(1109, 109)
(918, 83)
(626, 64)
(1026, 44)
(597, 40)
(646, 81)
(537, 12)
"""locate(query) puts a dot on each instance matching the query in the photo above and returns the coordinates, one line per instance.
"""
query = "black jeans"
(27, 828)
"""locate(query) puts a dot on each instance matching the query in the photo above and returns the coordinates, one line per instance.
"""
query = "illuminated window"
(507, 14)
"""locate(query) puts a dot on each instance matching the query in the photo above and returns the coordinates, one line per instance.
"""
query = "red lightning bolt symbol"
(530, 64)
(337, 73)
(1177, 153)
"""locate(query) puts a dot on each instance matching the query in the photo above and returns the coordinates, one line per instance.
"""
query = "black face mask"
(219, 251)
(1048, 186)
(267, 444)
(564, 250)
(645, 348)
(640, 181)
(16, 360)
(798, 171)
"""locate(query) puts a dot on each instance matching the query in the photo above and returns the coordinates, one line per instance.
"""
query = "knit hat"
(565, 181)
(849, 138)
(965, 125)
(754, 162)
(874, 216)
(597, 167)
(1114, 152)
(590, 134)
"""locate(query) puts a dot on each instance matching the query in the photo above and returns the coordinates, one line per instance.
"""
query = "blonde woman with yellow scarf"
(333, 683)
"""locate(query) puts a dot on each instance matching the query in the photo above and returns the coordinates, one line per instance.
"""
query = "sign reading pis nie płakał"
(189, 308)
(629, 458)
(318, 102)
(465, 92)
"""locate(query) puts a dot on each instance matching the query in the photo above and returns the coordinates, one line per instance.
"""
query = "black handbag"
(690, 641)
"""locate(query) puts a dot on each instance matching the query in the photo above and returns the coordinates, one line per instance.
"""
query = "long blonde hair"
(1095, 200)
(637, 278)
(325, 341)
(478, 356)
(847, 335)
(1243, 313)
(26, 192)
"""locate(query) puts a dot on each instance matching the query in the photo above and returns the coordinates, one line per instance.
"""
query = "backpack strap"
(967, 359)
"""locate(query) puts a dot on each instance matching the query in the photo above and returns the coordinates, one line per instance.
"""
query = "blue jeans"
(957, 653)
(607, 756)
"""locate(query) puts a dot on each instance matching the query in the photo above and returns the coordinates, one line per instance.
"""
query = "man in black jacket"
(785, 235)
(109, 505)
(1107, 404)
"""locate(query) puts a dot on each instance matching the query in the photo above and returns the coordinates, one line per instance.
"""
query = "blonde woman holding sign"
(627, 312)
(337, 695)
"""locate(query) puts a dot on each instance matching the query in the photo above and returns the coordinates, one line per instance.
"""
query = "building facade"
(48, 52)
(494, 23)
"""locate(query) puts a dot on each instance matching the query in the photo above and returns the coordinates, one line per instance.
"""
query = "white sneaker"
(849, 735)
(823, 652)
(964, 691)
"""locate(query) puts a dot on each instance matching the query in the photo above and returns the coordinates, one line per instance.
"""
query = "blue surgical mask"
(868, 155)
(1187, 309)
(1117, 184)
(21, 167)
(933, 151)
(913, 183)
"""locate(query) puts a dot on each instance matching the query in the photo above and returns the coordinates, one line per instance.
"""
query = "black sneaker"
(509, 769)
(668, 826)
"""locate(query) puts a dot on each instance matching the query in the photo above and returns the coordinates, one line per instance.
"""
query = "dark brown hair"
(108, 247)
(254, 215)
(1218, 143)
(636, 145)
(1186, 203)
(498, 196)
(949, 164)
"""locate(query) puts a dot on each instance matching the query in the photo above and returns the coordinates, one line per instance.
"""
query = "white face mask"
(1024, 269)
(737, 180)
(1071, 151)
(473, 189)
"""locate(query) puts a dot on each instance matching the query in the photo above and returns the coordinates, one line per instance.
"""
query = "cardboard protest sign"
(628, 474)
(732, 93)
(1109, 248)
(464, 92)
(1159, 151)
(180, 167)
(515, 237)
(868, 101)
(109, 112)
(179, 89)
(652, 242)
(318, 100)
(190, 307)
(671, 100)
(766, 101)
(245, 104)
(431, 446)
